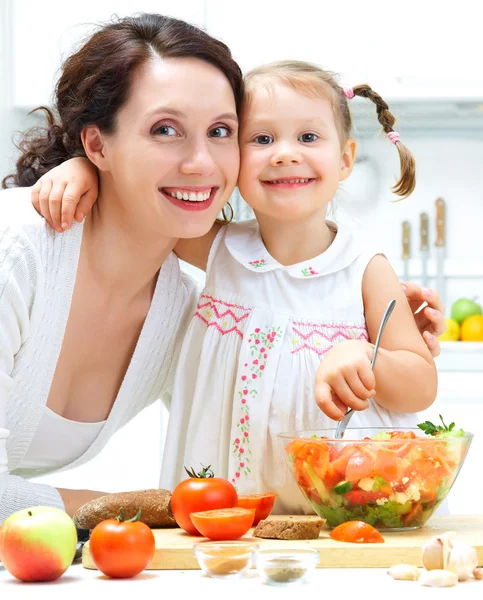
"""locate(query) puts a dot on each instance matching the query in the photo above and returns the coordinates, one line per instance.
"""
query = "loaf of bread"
(304, 527)
(155, 508)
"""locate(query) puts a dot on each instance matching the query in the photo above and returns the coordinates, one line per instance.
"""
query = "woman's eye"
(165, 130)
(263, 139)
(220, 132)
(308, 137)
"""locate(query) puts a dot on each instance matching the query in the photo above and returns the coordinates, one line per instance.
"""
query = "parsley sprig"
(440, 430)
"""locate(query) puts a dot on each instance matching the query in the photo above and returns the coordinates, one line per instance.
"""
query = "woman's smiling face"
(173, 159)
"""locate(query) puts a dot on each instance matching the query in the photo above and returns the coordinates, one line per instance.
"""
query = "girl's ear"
(94, 146)
(347, 159)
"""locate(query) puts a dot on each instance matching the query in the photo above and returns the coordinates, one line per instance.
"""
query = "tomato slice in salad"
(262, 503)
(361, 465)
(360, 497)
(356, 532)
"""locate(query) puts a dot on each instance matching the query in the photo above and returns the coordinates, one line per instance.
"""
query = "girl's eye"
(220, 132)
(263, 139)
(165, 130)
(308, 137)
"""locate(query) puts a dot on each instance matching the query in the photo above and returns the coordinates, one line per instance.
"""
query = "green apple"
(464, 308)
(38, 543)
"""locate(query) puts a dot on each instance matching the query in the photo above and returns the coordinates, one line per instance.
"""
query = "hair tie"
(394, 136)
(348, 93)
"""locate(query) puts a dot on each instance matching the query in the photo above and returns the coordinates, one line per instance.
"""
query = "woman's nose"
(199, 160)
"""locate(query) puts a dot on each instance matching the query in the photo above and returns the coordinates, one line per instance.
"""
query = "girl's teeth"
(192, 196)
(291, 181)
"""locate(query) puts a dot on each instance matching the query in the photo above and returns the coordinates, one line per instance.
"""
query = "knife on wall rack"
(424, 248)
(406, 248)
(440, 246)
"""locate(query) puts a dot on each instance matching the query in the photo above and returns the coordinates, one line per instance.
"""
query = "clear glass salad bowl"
(393, 480)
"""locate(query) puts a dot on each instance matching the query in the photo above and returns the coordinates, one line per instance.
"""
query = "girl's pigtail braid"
(407, 181)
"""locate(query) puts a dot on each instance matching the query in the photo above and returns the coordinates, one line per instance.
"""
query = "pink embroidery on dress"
(329, 325)
(319, 341)
(225, 321)
(260, 344)
(307, 272)
(258, 263)
(329, 338)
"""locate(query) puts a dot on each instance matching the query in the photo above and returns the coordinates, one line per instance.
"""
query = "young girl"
(286, 290)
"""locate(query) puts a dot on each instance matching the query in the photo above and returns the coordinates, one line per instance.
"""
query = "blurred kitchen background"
(424, 58)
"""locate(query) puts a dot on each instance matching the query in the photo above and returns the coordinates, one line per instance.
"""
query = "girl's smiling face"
(292, 158)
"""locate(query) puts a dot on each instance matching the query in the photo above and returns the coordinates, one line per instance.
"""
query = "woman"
(91, 319)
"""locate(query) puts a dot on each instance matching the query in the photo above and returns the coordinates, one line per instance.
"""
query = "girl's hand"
(345, 379)
(66, 191)
(430, 320)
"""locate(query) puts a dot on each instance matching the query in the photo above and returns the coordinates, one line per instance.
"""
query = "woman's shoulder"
(16, 209)
(19, 253)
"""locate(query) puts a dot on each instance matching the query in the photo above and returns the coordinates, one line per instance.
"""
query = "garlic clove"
(478, 573)
(433, 554)
(462, 560)
(438, 578)
(404, 572)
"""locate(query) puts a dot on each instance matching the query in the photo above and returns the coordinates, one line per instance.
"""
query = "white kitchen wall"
(387, 48)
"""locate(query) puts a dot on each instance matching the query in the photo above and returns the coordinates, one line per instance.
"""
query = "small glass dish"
(225, 559)
(286, 567)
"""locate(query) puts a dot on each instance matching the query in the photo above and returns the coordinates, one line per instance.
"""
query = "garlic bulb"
(438, 578)
(404, 572)
(443, 553)
(462, 560)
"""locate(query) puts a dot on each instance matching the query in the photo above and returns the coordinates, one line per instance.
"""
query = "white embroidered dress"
(247, 366)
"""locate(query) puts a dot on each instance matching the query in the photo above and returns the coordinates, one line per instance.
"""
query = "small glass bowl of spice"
(225, 559)
(286, 566)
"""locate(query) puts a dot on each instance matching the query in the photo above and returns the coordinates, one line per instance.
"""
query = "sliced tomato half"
(262, 503)
(356, 532)
(224, 524)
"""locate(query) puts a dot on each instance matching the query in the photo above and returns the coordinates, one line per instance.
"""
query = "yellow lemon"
(472, 329)
(452, 333)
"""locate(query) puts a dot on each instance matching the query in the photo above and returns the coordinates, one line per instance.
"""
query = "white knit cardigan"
(37, 275)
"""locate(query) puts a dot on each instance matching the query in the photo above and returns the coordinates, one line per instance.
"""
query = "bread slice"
(300, 527)
(155, 508)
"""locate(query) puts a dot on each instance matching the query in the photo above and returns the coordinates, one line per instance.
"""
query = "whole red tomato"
(201, 492)
(121, 548)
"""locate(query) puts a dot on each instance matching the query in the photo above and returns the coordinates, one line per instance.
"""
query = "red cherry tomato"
(357, 532)
(121, 548)
(226, 524)
(200, 493)
(262, 503)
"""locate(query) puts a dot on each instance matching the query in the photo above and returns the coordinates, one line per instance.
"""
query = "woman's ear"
(347, 159)
(93, 141)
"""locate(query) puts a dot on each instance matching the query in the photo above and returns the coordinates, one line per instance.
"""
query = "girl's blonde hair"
(311, 80)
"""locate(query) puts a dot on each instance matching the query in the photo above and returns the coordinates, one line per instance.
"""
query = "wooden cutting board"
(174, 548)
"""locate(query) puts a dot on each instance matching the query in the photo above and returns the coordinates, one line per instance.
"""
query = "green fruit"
(464, 308)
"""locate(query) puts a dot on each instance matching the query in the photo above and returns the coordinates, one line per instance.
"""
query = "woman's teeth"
(290, 181)
(191, 196)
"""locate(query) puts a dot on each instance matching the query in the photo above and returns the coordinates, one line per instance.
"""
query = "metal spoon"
(342, 425)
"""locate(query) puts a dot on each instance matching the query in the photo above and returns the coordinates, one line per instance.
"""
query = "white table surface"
(350, 584)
